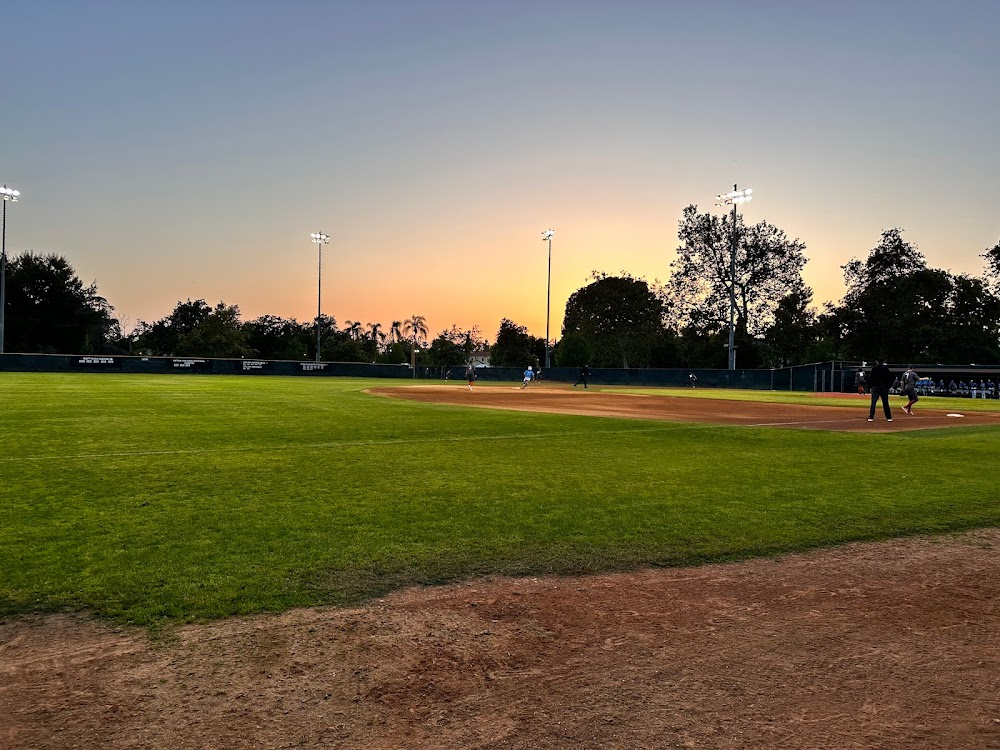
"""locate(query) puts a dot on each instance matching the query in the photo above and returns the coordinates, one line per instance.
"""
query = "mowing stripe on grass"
(345, 444)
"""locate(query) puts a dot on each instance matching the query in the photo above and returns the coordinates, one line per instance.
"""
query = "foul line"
(808, 421)
(346, 444)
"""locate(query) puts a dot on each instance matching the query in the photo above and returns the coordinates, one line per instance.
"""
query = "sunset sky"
(187, 149)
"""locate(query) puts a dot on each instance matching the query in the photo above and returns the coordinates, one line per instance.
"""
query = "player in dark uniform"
(879, 382)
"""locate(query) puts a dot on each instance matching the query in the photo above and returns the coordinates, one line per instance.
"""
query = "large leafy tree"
(791, 338)
(162, 338)
(897, 307)
(50, 310)
(572, 351)
(194, 329)
(272, 337)
(513, 346)
(768, 268)
(619, 317)
(992, 257)
(220, 334)
(339, 346)
(446, 352)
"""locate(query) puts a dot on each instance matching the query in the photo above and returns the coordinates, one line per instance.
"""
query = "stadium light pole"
(547, 235)
(734, 198)
(8, 194)
(320, 239)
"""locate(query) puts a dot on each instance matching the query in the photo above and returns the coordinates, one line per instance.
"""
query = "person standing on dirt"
(470, 375)
(528, 375)
(584, 372)
(859, 381)
(910, 379)
(879, 382)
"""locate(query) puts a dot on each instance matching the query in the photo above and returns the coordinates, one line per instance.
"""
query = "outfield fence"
(826, 377)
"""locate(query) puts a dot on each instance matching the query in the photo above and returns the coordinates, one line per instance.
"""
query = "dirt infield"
(893, 645)
(561, 399)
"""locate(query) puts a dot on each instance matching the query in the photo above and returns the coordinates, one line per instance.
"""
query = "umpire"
(879, 382)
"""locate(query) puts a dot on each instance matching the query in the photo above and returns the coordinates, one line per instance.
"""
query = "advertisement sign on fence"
(98, 362)
(198, 365)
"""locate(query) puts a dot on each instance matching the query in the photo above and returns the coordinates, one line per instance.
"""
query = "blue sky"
(188, 149)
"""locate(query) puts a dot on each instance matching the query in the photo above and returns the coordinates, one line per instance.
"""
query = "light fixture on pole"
(734, 198)
(547, 235)
(8, 194)
(320, 239)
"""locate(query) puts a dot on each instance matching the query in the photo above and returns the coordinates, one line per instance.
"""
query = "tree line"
(895, 306)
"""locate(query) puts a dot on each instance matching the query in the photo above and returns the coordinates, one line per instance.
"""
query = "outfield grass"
(150, 499)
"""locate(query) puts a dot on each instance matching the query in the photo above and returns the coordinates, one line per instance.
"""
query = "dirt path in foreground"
(889, 645)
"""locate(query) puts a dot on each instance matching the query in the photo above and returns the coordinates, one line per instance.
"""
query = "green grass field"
(158, 499)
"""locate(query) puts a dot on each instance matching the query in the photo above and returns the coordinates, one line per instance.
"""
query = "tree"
(416, 328)
(513, 347)
(193, 329)
(395, 353)
(272, 337)
(572, 351)
(354, 329)
(790, 338)
(468, 341)
(220, 334)
(444, 352)
(339, 346)
(992, 257)
(619, 317)
(768, 268)
(896, 307)
(162, 338)
(50, 310)
(375, 334)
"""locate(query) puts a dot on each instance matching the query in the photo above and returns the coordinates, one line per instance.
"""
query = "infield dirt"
(561, 399)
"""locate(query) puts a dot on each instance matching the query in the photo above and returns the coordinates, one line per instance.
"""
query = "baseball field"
(168, 546)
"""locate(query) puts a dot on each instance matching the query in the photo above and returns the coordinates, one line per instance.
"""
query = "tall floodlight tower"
(734, 198)
(320, 239)
(547, 236)
(8, 194)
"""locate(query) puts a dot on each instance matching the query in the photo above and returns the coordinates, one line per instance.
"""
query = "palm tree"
(353, 329)
(416, 327)
(375, 333)
(396, 331)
